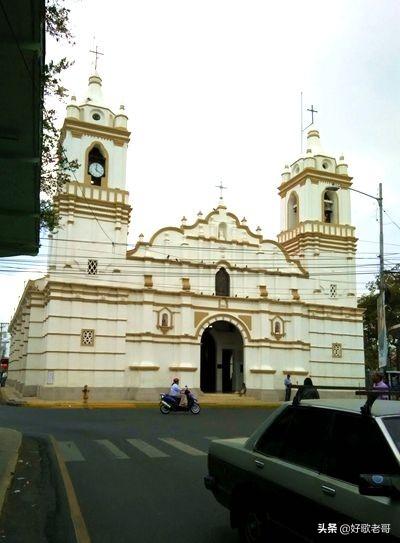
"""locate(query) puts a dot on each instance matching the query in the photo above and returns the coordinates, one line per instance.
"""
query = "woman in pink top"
(379, 384)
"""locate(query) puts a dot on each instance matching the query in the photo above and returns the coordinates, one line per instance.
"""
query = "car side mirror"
(379, 485)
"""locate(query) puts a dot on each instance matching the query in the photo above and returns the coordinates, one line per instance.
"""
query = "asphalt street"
(138, 475)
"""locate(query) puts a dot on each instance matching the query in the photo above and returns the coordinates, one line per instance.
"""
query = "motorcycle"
(169, 403)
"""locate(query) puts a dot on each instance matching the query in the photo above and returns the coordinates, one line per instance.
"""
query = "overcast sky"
(212, 91)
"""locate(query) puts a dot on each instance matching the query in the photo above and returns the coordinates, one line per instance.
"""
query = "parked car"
(320, 465)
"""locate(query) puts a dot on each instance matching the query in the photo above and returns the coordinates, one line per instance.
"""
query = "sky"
(212, 91)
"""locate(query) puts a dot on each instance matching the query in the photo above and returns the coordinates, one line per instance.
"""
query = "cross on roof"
(97, 54)
(221, 188)
(312, 110)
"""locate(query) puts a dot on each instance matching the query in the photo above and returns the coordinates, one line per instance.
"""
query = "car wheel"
(195, 409)
(252, 525)
(164, 409)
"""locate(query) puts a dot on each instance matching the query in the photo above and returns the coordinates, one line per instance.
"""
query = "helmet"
(176, 380)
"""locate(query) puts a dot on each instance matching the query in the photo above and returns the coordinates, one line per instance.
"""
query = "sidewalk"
(12, 397)
(10, 442)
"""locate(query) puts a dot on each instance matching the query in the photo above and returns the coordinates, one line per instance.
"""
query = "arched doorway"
(221, 364)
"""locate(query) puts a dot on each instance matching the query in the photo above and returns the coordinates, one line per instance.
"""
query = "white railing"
(92, 192)
(331, 229)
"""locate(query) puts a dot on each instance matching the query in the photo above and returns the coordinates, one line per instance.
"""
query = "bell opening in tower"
(96, 166)
(328, 208)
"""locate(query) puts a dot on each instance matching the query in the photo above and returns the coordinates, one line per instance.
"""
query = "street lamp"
(382, 337)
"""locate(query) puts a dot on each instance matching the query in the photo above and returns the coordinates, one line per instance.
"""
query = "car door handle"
(259, 464)
(328, 490)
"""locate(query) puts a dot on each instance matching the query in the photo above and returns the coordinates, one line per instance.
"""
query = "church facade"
(208, 300)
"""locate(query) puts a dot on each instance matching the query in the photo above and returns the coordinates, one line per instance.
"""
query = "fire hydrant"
(85, 391)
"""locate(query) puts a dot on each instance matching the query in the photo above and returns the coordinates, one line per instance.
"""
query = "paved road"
(138, 474)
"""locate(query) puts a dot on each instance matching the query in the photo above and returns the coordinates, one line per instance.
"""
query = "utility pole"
(381, 314)
(382, 335)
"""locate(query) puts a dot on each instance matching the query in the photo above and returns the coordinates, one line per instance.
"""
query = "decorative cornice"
(144, 368)
(178, 368)
(262, 370)
(317, 176)
(119, 136)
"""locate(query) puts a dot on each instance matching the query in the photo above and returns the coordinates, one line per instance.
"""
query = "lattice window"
(333, 291)
(336, 350)
(87, 337)
(92, 267)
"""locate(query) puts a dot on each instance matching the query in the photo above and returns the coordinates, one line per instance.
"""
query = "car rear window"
(358, 446)
(393, 427)
(297, 436)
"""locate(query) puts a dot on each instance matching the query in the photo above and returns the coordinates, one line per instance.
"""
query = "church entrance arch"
(221, 358)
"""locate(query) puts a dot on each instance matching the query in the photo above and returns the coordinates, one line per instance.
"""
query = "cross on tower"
(221, 188)
(97, 54)
(312, 111)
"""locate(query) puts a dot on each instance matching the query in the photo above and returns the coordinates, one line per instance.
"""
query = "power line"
(391, 220)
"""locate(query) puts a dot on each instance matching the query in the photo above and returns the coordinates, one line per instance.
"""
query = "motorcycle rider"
(175, 391)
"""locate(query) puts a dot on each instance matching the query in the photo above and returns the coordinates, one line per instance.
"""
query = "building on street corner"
(208, 300)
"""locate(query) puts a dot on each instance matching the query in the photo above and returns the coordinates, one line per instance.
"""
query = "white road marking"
(113, 449)
(147, 449)
(70, 451)
(182, 446)
(211, 438)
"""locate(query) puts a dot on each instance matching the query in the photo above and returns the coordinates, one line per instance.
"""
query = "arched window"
(222, 283)
(330, 207)
(96, 166)
(293, 211)
(277, 327)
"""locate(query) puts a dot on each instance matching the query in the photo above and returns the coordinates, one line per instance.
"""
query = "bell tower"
(316, 220)
(93, 206)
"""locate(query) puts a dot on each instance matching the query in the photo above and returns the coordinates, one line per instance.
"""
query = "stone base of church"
(24, 390)
(265, 395)
(279, 395)
(104, 394)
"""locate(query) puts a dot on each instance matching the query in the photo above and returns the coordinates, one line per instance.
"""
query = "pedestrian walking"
(306, 391)
(3, 378)
(288, 387)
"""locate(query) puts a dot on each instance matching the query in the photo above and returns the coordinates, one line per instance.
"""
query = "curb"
(10, 444)
(79, 528)
(43, 404)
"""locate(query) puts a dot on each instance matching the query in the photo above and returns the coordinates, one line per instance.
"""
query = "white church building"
(208, 300)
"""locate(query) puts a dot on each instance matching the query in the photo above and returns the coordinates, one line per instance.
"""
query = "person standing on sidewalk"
(307, 391)
(3, 377)
(288, 388)
(380, 385)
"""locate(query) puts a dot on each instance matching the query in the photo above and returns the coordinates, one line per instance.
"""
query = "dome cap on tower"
(95, 91)
(313, 142)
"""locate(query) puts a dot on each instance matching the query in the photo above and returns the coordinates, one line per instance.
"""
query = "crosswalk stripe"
(70, 451)
(182, 446)
(113, 449)
(147, 449)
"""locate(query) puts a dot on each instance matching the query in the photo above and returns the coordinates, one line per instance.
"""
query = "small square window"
(336, 350)
(87, 337)
(92, 267)
(333, 291)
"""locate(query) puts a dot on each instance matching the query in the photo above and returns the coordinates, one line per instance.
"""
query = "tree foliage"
(369, 303)
(55, 165)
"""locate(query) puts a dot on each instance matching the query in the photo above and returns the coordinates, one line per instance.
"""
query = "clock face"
(96, 169)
